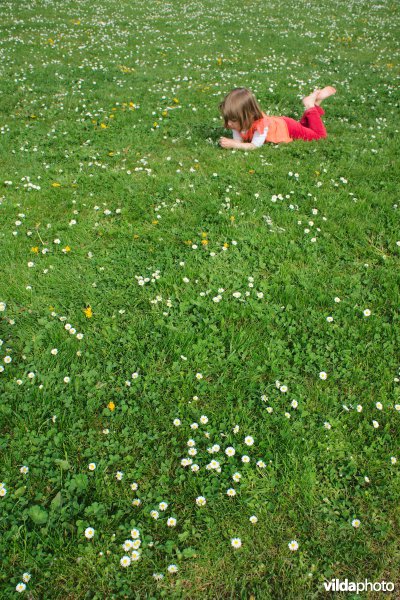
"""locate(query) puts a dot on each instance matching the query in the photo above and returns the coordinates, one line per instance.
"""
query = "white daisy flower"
(127, 545)
(89, 533)
(125, 561)
(172, 569)
(253, 519)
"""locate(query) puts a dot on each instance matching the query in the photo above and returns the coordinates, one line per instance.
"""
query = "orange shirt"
(277, 130)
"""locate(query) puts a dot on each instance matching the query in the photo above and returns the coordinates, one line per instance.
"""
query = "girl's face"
(234, 125)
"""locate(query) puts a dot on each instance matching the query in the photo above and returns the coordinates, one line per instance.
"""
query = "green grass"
(153, 75)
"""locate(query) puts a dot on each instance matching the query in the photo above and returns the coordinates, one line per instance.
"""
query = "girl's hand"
(225, 142)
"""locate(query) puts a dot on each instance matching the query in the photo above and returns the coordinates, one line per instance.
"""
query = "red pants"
(310, 127)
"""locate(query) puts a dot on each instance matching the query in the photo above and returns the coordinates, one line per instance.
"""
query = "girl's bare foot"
(310, 101)
(324, 93)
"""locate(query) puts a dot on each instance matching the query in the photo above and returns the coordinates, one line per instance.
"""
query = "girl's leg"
(310, 126)
(312, 118)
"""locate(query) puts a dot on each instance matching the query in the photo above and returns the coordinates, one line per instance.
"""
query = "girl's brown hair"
(241, 106)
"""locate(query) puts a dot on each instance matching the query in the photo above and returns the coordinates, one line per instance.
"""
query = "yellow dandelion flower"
(103, 125)
(176, 100)
(111, 406)
(88, 312)
(204, 234)
(155, 222)
(67, 249)
(232, 218)
(56, 184)
(204, 242)
(35, 249)
(226, 245)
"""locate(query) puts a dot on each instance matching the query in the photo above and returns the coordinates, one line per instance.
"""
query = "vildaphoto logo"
(336, 585)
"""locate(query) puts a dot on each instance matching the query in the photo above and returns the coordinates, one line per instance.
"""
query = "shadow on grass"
(206, 132)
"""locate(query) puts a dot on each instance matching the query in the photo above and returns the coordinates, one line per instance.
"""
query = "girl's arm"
(236, 144)
(257, 141)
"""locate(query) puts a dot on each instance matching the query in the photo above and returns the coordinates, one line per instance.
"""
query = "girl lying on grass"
(251, 128)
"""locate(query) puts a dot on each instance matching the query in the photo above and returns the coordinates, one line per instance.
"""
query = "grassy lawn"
(163, 300)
